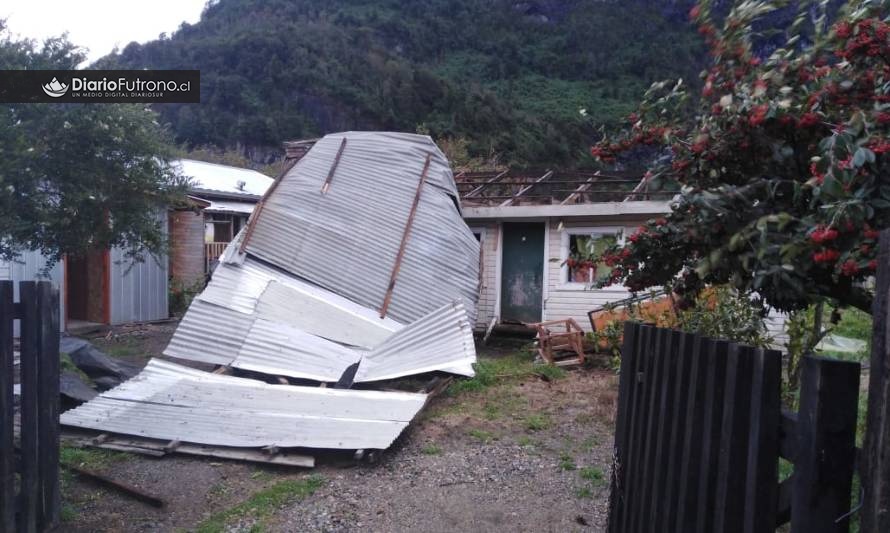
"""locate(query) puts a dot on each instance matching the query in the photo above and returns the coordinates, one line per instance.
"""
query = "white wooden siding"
(488, 292)
(572, 300)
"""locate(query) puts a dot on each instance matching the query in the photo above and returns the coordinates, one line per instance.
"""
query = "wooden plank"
(716, 359)
(48, 408)
(734, 443)
(692, 411)
(120, 486)
(761, 482)
(875, 511)
(407, 233)
(625, 383)
(636, 424)
(7, 455)
(667, 396)
(688, 344)
(330, 176)
(642, 507)
(783, 506)
(30, 347)
(823, 470)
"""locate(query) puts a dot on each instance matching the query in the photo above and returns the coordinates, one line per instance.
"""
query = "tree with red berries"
(782, 161)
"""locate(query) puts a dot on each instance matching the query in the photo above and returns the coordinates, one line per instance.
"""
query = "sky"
(98, 25)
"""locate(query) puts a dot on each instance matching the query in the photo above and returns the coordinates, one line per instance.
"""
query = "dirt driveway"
(519, 448)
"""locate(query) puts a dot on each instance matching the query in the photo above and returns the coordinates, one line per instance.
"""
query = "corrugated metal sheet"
(210, 334)
(172, 402)
(255, 317)
(252, 287)
(347, 240)
(442, 340)
(138, 290)
(31, 266)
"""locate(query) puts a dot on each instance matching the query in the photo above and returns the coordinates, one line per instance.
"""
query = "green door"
(522, 272)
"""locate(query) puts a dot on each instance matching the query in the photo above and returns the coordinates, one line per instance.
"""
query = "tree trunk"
(876, 453)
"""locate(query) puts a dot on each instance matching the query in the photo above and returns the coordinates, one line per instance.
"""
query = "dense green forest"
(508, 77)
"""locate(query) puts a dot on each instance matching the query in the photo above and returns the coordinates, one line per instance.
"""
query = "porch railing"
(212, 251)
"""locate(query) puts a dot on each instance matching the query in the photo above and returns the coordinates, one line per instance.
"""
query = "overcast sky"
(98, 25)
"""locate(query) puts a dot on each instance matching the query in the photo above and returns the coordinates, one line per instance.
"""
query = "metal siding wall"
(138, 291)
(28, 267)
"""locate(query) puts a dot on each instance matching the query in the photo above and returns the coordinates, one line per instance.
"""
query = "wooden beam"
(479, 189)
(581, 188)
(527, 188)
(327, 181)
(405, 235)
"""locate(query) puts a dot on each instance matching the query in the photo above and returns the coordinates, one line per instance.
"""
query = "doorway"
(87, 291)
(522, 283)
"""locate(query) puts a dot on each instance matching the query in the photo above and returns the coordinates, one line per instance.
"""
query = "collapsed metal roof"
(355, 267)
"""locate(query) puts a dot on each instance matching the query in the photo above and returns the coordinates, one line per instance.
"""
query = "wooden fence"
(30, 501)
(701, 428)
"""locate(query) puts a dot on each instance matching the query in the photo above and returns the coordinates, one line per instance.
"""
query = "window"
(581, 249)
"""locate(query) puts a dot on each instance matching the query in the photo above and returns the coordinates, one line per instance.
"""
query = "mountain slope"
(508, 76)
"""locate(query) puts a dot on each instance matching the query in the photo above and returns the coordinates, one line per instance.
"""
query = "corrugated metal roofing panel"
(347, 240)
(254, 288)
(442, 340)
(278, 349)
(209, 333)
(172, 402)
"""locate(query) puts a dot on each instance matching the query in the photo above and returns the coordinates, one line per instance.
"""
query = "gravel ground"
(521, 455)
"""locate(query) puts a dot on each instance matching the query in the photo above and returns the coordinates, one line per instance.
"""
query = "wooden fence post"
(29, 343)
(48, 407)
(875, 512)
(826, 445)
(7, 454)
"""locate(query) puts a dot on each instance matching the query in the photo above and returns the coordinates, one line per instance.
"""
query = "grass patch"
(525, 441)
(584, 492)
(68, 513)
(481, 435)
(491, 371)
(537, 422)
(593, 474)
(567, 462)
(431, 449)
(89, 458)
(263, 503)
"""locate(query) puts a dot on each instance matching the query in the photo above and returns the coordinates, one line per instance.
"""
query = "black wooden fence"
(701, 428)
(30, 501)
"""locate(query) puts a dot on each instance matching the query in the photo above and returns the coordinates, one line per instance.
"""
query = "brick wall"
(187, 247)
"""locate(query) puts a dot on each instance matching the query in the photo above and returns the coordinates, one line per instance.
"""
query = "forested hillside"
(510, 77)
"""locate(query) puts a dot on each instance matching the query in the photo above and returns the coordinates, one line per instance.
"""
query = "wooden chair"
(558, 338)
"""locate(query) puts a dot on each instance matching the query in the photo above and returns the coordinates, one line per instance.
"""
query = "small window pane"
(584, 250)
